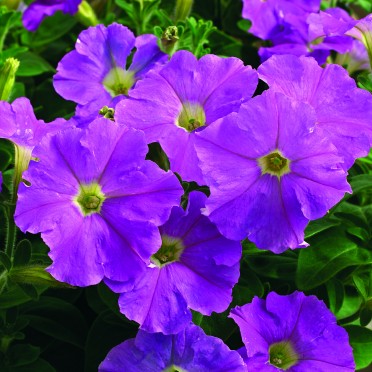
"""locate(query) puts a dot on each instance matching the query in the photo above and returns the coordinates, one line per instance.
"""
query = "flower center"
(274, 163)
(191, 117)
(118, 81)
(90, 199)
(283, 355)
(170, 251)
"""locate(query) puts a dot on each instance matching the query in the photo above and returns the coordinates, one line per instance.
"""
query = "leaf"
(32, 64)
(22, 354)
(350, 306)
(99, 344)
(5, 261)
(58, 319)
(361, 341)
(330, 253)
(336, 294)
(317, 226)
(365, 80)
(22, 254)
(52, 28)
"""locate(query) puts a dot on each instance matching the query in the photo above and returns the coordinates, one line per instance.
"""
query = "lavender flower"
(95, 74)
(270, 171)
(343, 111)
(39, 9)
(279, 20)
(296, 27)
(96, 202)
(189, 350)
(183, 98)
(196, 267)
(19, 125)
(363, 32)
(292, 333)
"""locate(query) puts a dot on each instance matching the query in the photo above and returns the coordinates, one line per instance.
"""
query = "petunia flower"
(270, 171)
(97, 202)
(343, 111)
(292, 333)
(363, 32)
(279, 20)
(95, 74)
(20, 126)
(298, 28)
(40, 9)
(185, 97)
(196, 267)
(189, 350)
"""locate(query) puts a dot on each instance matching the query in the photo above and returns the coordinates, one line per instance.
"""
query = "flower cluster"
(300, 28)
(167, 237)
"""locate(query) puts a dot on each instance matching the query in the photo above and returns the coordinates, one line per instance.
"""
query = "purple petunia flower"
(355, 60)
(296, 27)
(189, 350)
(294, 333)
(40, 9)
(95, 74)
(183, 98)
(196, 267)
(270, 171)
(96, 202)
(363, 32)
(279, 20)
(19, 125)
(343, 111)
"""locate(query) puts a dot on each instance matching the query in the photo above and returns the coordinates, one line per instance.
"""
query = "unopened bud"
(169, 39)
(7, 77)
(86, 15)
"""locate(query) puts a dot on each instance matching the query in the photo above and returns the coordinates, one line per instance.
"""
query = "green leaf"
(5, 261)
(32, 65)
(317, 226)
(58, 319)
(365, 80)
(330, 253)
(52, 28)
(14, 296)
(99, 344)
(22, 354)
(22, 254)
(39, 365)
(361, 182)
(361, 341)
(336, 294)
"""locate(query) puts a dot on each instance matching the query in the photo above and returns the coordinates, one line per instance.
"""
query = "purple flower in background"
(183, 98)
(270, 172)
(19, 125)
(279, 20)
(363, 32)
(95, 74)
(189, 350)
(356, 59)
(286, 24)
(343, 111)
(196, 267)
(293, 333)
(40, 9)
(96, 202)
